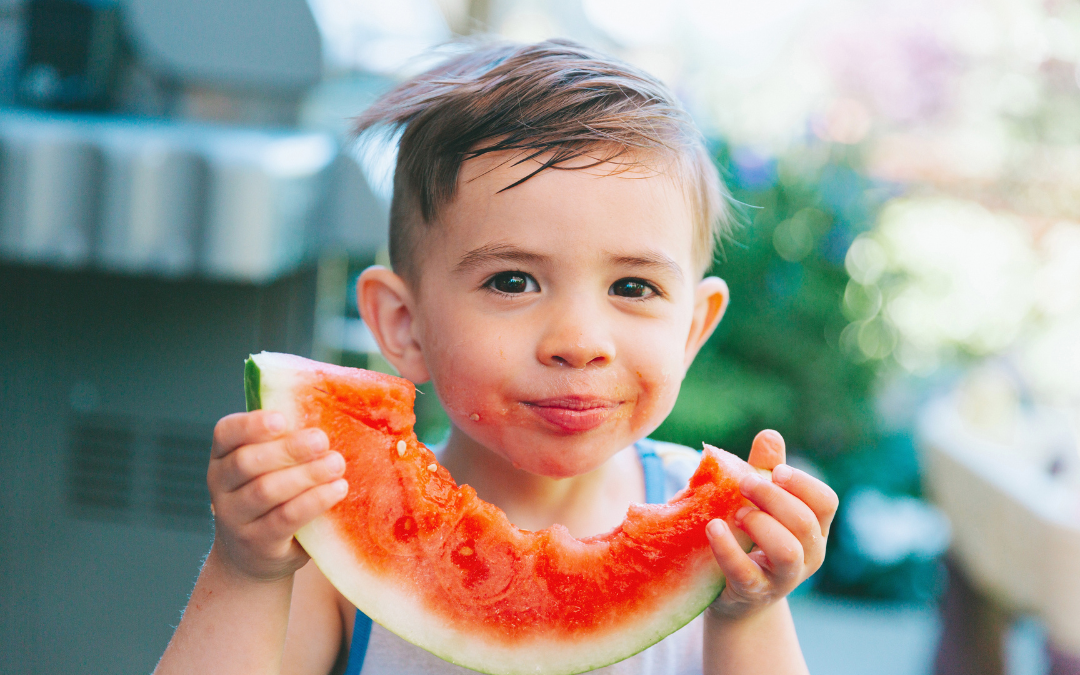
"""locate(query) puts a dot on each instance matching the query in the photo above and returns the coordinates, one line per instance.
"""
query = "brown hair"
(555, 101)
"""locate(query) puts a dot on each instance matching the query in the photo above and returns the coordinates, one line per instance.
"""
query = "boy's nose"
(576, 343)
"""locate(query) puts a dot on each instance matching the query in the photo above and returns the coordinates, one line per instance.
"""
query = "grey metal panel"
(264, 193)
(85, 590)
(269, 44)
(173, 199)
(356, 220)
(49, 191)
(154, 201)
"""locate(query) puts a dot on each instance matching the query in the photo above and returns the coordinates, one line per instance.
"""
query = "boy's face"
(557, 318)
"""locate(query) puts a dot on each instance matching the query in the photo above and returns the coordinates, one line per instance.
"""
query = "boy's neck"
(589, 504)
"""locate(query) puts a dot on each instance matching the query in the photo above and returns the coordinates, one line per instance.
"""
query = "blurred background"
(178, 189)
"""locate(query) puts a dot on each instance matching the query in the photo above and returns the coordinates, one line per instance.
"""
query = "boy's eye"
(632, 288)
(513, 283)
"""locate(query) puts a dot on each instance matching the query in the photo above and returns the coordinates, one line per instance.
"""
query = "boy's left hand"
(789, 528)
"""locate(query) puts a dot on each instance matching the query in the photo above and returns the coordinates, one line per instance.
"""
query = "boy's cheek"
(466, 394)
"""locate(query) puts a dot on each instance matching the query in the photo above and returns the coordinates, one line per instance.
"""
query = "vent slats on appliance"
(138, 470)
(181, 475)
(101, 465)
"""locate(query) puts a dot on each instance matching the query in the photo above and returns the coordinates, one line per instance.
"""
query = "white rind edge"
(399, 612)
(279, 375)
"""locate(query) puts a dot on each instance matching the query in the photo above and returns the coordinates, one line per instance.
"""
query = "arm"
(265, 483)
(232, 623)
(762, 643)
(749, 627)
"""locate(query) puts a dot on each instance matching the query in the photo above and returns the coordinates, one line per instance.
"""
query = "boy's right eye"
(513, 283)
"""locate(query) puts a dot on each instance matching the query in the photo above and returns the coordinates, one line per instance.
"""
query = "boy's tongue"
(573, 415)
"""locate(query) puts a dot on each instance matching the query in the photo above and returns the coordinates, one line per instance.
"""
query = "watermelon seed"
(433, 467)
(465, 550)
(401, 448)
(474, 417)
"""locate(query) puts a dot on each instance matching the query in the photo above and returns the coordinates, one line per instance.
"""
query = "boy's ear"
(386, 304)
(710, 302)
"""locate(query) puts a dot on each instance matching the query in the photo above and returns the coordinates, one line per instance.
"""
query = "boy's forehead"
(617, 208)
(517, 165)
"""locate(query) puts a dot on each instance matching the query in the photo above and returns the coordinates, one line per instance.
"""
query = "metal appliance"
(141, 260)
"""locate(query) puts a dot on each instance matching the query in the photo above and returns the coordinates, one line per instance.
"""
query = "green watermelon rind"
(268, 383)
(252, 396)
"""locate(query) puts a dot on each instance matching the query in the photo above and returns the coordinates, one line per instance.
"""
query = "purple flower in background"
(896, 61)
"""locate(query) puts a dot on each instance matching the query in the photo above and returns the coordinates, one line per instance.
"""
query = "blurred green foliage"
(775, 361)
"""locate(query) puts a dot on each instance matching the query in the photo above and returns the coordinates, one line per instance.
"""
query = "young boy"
(554, 212)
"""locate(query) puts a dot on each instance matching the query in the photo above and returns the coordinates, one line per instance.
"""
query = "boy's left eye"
(632, 288)
(513, 283)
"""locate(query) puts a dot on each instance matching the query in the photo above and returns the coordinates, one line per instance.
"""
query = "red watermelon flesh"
(430, 561)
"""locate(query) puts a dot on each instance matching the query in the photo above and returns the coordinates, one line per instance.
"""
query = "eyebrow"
(503, 253)
(651, 261)
(490, 253)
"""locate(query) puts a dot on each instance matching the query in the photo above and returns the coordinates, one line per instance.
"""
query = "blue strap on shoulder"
(651, 465)
(361, 633)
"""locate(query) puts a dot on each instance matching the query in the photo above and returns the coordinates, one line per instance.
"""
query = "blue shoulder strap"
(651, 465)
(361, 633)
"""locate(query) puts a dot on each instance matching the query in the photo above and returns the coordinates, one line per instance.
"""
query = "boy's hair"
(555, 101)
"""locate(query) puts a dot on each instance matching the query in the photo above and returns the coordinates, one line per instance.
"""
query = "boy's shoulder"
(679, 462)
(671, 452)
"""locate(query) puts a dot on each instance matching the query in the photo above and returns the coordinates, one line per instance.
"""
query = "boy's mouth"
(573, 414)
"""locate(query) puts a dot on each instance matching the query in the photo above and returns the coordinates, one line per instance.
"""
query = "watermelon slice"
(448, 572)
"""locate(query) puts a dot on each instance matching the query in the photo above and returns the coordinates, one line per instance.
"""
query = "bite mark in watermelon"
(447, 571)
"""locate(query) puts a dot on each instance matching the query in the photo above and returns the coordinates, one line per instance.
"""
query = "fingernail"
(717, 528)
(340, 486)
(749, 482)
(316, 438)
(335, 462)
(275, 422)
(741, 513)
(780, 473)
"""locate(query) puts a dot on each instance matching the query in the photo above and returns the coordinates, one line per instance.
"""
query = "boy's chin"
(552, 456)
(562, 463)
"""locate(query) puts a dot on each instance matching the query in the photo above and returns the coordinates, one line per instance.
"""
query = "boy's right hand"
(266, 482)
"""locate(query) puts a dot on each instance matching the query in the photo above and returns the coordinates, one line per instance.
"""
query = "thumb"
(767, 450)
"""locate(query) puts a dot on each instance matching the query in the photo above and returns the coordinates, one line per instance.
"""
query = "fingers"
(779, 552)
(265, 483)
(785, 507)
(819, 497)
(789, 528)
(251, 461)
(273, 490)
(744, 576)
(785, 517)
(239, 429)
(290, 516)
(767, 450)
(256, 479)
(265, 548)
